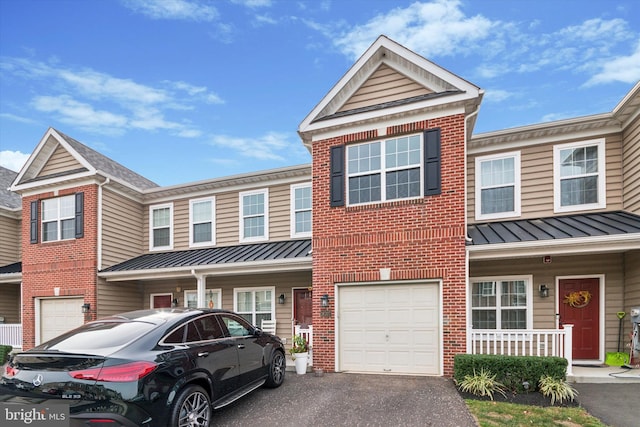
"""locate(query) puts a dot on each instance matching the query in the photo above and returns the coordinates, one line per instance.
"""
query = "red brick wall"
(70, 265)
(416, 239)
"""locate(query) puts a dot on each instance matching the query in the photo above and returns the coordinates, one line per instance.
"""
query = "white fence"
(11, 334)
(307, 334)
(524, 342)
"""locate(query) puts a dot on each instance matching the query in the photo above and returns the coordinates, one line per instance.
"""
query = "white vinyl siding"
(161, 223)
(58, 218)
(202, 223)
(579, 176)
(497, 180)
(254, 215)
(301, 210)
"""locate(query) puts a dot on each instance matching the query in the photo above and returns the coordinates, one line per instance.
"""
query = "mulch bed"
(532, 398)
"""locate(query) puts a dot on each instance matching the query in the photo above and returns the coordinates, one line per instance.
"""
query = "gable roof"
(89, 163)
(411, 83)
(8, 199)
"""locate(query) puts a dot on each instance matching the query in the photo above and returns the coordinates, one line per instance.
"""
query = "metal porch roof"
(553, 228)
(270, 251)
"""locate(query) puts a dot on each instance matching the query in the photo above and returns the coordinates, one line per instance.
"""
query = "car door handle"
(240, 346)
(203, 354)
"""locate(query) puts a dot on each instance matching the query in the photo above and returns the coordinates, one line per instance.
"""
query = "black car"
(149, 368)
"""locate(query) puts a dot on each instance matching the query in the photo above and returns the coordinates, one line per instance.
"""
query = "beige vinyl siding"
(537, 179)
(227, 225)
(384, 85)
(118, 297)
(609, 265)
(181, 224)
(632, 286)
(59, 162)
(631, 176)
(10, 240)
(10, 303)
(280, 212)
(122, 228)
(283, 283)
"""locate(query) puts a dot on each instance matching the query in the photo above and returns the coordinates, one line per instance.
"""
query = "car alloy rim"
(195, 411)
(278, 367)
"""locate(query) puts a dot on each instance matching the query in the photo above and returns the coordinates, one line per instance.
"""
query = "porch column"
(568, 348)
(201, 284)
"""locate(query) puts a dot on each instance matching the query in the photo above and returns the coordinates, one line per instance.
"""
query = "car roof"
(158, 316)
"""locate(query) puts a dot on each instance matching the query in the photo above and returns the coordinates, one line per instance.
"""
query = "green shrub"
(5, 350)
(512, 371)
(556, 388)
(481, 384)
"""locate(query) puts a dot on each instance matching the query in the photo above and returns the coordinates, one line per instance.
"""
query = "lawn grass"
(490, 414)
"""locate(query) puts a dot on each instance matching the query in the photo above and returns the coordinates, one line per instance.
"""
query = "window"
(161, 220)
(254, 217)
(236, 327)
(498, 186)
(202, 222)
(205, 328)
(384, 170)
(255, 304)
(212, 298)
(59, 218)
(301, 210)
(579, 176)
(501, 303)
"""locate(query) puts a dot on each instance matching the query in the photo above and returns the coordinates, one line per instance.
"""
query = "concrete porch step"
(605, 374)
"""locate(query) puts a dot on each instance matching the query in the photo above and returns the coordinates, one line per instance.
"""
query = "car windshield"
(98, 338)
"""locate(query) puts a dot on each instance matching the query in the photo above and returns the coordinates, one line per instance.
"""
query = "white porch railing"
(524, 342)
(11, 334)
(307, 334)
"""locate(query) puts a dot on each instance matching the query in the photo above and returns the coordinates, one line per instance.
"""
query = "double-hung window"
(161, 227)
(384, 170)
(579, 176)
(254, 215)
(501, 303)
(58, 218)
(498, 186)
(255, 304)
(301, 210)
(202, 222)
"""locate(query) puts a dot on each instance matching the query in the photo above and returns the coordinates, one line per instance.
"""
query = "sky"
(188, 90)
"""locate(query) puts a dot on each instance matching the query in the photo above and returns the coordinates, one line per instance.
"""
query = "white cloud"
(174, 9)
(13, 160)
(624, 69)
(253, 3)
(272, 146)
(497, 95)
(16, 118)
(77, 113)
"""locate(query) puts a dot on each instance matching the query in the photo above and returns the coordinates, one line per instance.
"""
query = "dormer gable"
(388, 80)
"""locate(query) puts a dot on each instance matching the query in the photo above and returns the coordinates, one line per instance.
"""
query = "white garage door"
(389, 329)
(59, 315)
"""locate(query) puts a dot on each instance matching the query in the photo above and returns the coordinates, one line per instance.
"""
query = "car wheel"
(277, 369)
(192, 408)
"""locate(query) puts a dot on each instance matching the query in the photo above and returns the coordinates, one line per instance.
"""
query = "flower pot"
(300, 360)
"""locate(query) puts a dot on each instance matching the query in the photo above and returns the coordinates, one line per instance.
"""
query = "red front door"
(161, 301)
(579, 306)
(302, 307)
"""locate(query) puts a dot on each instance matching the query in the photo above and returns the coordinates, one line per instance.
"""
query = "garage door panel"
(59, 315)
(390, 328)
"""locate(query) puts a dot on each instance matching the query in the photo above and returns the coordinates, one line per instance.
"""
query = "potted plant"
(300, 353)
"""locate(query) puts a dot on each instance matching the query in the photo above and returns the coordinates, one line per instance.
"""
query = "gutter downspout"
(467, 238)
(99, 225)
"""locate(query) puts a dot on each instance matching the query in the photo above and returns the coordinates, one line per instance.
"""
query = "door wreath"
(578, 299)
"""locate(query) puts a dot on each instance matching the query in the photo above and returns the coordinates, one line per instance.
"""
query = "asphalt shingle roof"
(8, 199)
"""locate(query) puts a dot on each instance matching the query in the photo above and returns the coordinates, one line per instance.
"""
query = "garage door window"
(255, 304)
(501, 304)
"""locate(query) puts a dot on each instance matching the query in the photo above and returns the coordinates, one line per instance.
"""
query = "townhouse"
(407, 240)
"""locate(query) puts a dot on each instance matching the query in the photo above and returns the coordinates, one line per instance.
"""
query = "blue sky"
(186, 90)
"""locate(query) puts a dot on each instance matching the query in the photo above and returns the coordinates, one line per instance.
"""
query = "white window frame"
(151, 227)
(517, 188)
(265, 235)
(253, 291)
(293, 222)
(59, 218)
(602, 184)
(384, 170)
(528, 279)
(217, 301)
(211, 242)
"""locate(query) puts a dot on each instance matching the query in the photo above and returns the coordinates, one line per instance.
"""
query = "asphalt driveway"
(350, 399)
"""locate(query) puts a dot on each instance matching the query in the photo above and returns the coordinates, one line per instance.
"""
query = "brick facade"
(70, 265)
(417, 239)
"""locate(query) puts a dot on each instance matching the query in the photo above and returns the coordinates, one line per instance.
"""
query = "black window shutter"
(33, 222)
(337, 175)
(79, 215)
(432, 174)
